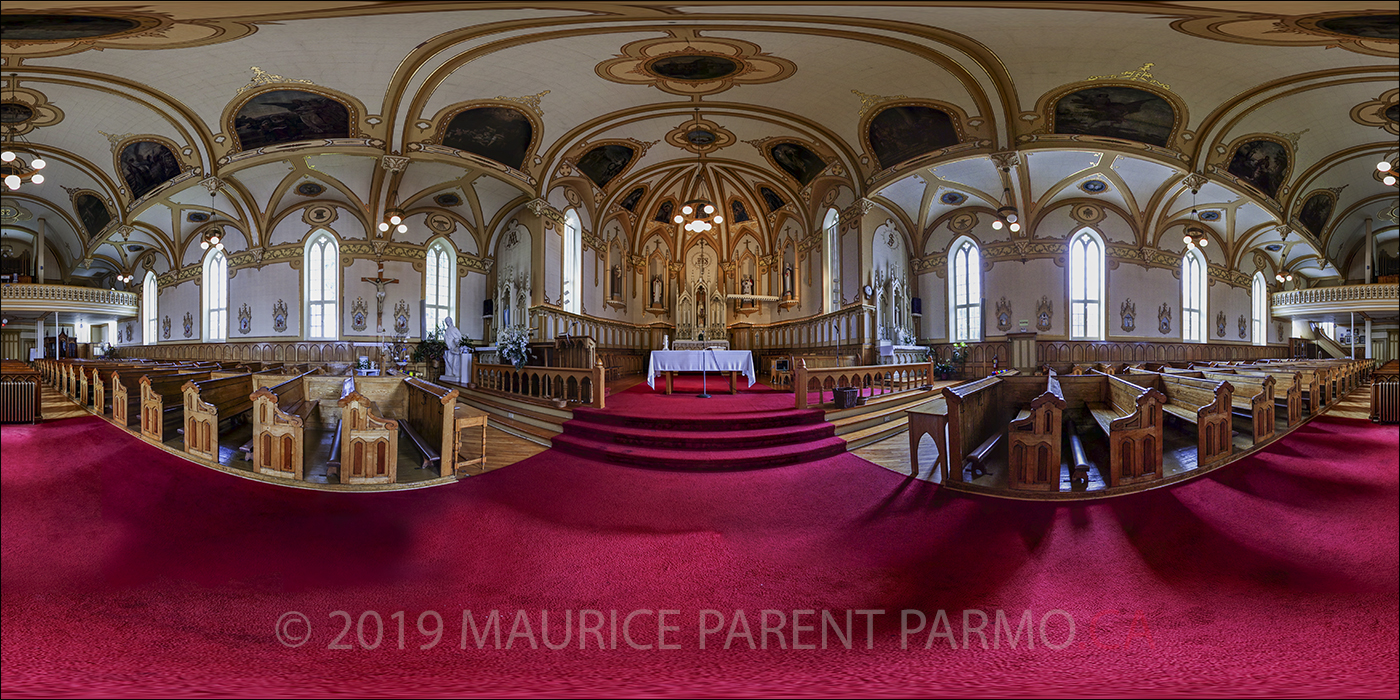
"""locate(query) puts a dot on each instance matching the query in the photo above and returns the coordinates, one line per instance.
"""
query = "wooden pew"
(1078, 460)
(1315, 381)
(279, 428)
(435, 425)
(126, 391)
(1255, 394)
(1034, 441)
(368, 442)
(1207, 405)
(162, 402)
(1131, 417)
(976, 423)
(209, 402)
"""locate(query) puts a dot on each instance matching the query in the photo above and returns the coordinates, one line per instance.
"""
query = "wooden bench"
(1034, 441)
(126, 391)
(1208, 406)
(368, 442)
(1254, 394)
(435, 424)
(207, 404)
(162, 402)
(977, 421)
(1131, 417)
(1315, 381)
(280, 413)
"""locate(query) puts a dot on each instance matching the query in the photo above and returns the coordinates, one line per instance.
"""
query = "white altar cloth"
(691, 361)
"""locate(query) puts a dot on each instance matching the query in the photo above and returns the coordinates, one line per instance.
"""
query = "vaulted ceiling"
(718, 84)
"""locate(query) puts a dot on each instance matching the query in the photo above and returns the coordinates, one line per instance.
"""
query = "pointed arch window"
(1086, 286)
(832, 255)
(1193, 296)
(965, 280)
(322, 279)
(1260, 298)
(440, 285)
(149, 311)
(573, 263)
(215, 296)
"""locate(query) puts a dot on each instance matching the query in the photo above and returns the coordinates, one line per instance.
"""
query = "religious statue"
(700, 319)
(746, 287)
(656, 287)
(617, 282)
(787, 281)
(451, 334)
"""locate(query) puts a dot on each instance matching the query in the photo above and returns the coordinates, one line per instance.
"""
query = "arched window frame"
(1259, 298)
(150, 310)
(571, 274)
(321, 305)
(215, 296)
(1087, 284)
(964, 291)
(831, 254)
(1194, 299)
(439, 285)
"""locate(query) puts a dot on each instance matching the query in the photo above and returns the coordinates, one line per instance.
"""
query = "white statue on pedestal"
(451, 335)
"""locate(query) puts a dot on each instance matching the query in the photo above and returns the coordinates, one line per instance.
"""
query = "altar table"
(669, 362)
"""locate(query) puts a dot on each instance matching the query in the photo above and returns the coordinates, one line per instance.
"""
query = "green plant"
(432, 348)
(959, 354)
(362, 364)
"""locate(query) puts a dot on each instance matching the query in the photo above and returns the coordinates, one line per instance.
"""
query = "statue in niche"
(746, 287)
(656, 287)
(787, 281)
(700, 319)
(617, 282)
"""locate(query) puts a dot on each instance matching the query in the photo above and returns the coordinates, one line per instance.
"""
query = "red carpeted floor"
(127, 571)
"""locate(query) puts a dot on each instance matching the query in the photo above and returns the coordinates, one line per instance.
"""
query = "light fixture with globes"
(698, 215)
(211, 238)
(1195, 234)
(12, 156)
(393, 218)
(1281, 277)
(1388, 173)
(1007, 216)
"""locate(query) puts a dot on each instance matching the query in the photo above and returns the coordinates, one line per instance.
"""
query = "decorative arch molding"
(1043, 122)
(1084, 211)
(235, 149)
(125, 155)
(877, 106)
(1221, 167)
(441, 124)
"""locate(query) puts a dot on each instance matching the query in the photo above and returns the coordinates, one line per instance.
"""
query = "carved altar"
(700, 344)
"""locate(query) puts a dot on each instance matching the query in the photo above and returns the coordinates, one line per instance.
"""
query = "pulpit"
(578, 352)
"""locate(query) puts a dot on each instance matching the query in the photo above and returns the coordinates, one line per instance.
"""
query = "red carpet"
(127, 571)
(755, 429)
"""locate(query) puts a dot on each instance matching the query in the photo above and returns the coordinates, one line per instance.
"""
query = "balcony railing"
(1352, 297)
(65, 295)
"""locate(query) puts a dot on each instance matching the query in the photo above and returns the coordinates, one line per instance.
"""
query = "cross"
(379, 283)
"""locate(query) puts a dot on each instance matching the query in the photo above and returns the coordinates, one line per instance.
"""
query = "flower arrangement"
(513, 345)
(431, 348)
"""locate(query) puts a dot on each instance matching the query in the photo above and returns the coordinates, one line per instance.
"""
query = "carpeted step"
(700, 460)
(700, 440)
(702, 422)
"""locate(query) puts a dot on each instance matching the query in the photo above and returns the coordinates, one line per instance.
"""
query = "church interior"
(658, 349)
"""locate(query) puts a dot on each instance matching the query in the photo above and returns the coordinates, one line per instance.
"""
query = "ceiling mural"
(960, 112)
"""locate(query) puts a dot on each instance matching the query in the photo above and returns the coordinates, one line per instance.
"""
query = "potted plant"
(513, 345)
(430, 350)
(959, 358)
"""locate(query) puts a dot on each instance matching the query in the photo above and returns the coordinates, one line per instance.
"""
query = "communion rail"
(869, 380)
(547, 386)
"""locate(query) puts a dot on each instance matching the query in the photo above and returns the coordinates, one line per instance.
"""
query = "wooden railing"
(551, 323)
(547, 386)
(66, 293)
(870, 380)
(1060, 354)
(1351, 297)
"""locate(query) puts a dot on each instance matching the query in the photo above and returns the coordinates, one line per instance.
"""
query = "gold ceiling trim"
(1143, 74)
(262, 77)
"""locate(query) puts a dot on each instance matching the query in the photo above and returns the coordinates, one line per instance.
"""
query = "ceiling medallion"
(689, 64)
(1094, 186)
(699, 135)
(1382, 112)
(59, 33)
(23, 110)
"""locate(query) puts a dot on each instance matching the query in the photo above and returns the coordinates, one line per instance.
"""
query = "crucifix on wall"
(379, 295)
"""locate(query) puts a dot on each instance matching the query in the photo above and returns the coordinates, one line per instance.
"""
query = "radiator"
(17, 402)
(1385, 402)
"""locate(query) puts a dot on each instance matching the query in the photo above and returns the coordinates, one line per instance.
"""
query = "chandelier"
(1387, 173)
(1195, 235)
(12, 164)
(394, 220)
(1283, 278)
(699, 216)
(1007, 215)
